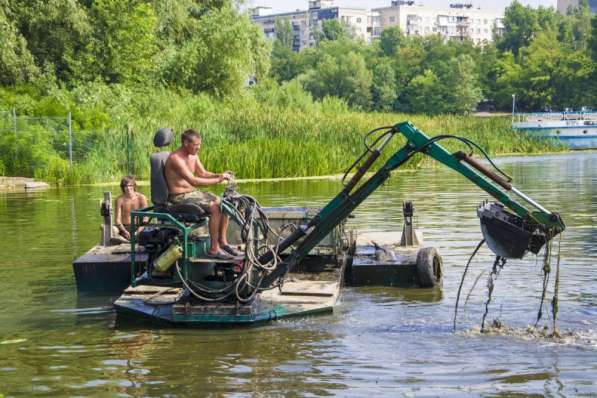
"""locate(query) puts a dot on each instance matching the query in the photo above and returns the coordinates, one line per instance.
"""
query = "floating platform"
(106, 268)
(370, 269)
(169, 305)
(313, 287)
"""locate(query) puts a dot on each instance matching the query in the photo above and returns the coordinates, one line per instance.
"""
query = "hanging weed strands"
(555, 299)
(497, 267)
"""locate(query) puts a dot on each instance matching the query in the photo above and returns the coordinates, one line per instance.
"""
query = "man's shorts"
(201, 199)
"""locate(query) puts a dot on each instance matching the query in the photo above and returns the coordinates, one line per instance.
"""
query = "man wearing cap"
(183, 173)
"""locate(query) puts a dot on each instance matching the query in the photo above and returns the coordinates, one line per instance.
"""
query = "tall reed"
(255, 139)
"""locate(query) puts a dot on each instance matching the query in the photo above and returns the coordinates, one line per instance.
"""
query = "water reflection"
(383, 341)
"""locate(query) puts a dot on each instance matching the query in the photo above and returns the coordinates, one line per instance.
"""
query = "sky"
(291, 5)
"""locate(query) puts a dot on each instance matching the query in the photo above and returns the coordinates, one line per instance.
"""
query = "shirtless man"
(183, 173)
(129, 200)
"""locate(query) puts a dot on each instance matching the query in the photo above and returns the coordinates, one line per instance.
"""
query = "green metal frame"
(148, 213)
(351, 197)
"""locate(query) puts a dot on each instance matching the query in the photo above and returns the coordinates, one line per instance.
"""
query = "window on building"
(359, 20)
(392, 19)
(485, 22)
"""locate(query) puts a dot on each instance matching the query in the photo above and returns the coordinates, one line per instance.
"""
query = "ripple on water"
(382, 341)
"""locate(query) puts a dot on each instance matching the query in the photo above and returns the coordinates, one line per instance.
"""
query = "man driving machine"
(184, 172)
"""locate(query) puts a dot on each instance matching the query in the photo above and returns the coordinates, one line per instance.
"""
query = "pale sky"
(291, 5)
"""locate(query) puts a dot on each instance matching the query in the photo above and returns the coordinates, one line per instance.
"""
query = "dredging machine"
(288, 270)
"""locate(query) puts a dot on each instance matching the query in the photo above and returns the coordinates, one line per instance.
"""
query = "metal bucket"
(508, 235)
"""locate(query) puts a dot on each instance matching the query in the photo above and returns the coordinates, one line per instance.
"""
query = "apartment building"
(563, 5)
(306, 22)
(458, 21)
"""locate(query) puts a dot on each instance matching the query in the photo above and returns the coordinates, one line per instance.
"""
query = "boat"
(576, 130)
(342, 258)
(164, 275)
(295, 260)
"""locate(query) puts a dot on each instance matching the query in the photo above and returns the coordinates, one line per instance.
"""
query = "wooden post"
(106, 212)
(14, 125)
(70, 141)
(409, 237)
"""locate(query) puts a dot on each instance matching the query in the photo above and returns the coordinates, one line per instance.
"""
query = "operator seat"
(184, 212)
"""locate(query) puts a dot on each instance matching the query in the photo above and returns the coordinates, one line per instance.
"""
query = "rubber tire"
(430, 268)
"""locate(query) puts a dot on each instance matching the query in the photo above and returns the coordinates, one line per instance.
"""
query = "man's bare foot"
(219, 255)
(230, 250)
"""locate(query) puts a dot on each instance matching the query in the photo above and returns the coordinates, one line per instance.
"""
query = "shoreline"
(11, 184)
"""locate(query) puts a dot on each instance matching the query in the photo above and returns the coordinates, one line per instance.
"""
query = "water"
(382, 341)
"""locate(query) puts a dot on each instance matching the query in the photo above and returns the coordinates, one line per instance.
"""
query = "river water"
(382, 341)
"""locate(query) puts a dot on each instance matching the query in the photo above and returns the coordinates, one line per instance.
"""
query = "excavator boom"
(511, 228)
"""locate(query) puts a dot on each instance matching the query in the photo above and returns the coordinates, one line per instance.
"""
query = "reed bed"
(260, 140)
(257, 141)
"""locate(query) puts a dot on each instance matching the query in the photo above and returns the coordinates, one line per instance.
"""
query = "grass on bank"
(258, 135)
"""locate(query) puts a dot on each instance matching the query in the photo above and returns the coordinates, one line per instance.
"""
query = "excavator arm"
(510, 228)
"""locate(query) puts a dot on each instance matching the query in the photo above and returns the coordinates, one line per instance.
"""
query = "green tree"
(225, 51)
(390, 41)
(333, 29)
(383, 87)
(344, 76)
(54, 30)
(285, 63)
(284, 33)
(425, 94)
(487, 70)
(123, 45)
(521, 25)
(16, 62)
(531, 79)
(462, 87)
(593, 40)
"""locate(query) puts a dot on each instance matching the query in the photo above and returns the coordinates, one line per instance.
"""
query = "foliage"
(333, 29)
(340, 75)
(55, 31)
(390, 41)
(523, 23)
(270, 130)
(241, 53)
(16, 62)
(123, 68)
(383, 86)
(284, 34)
